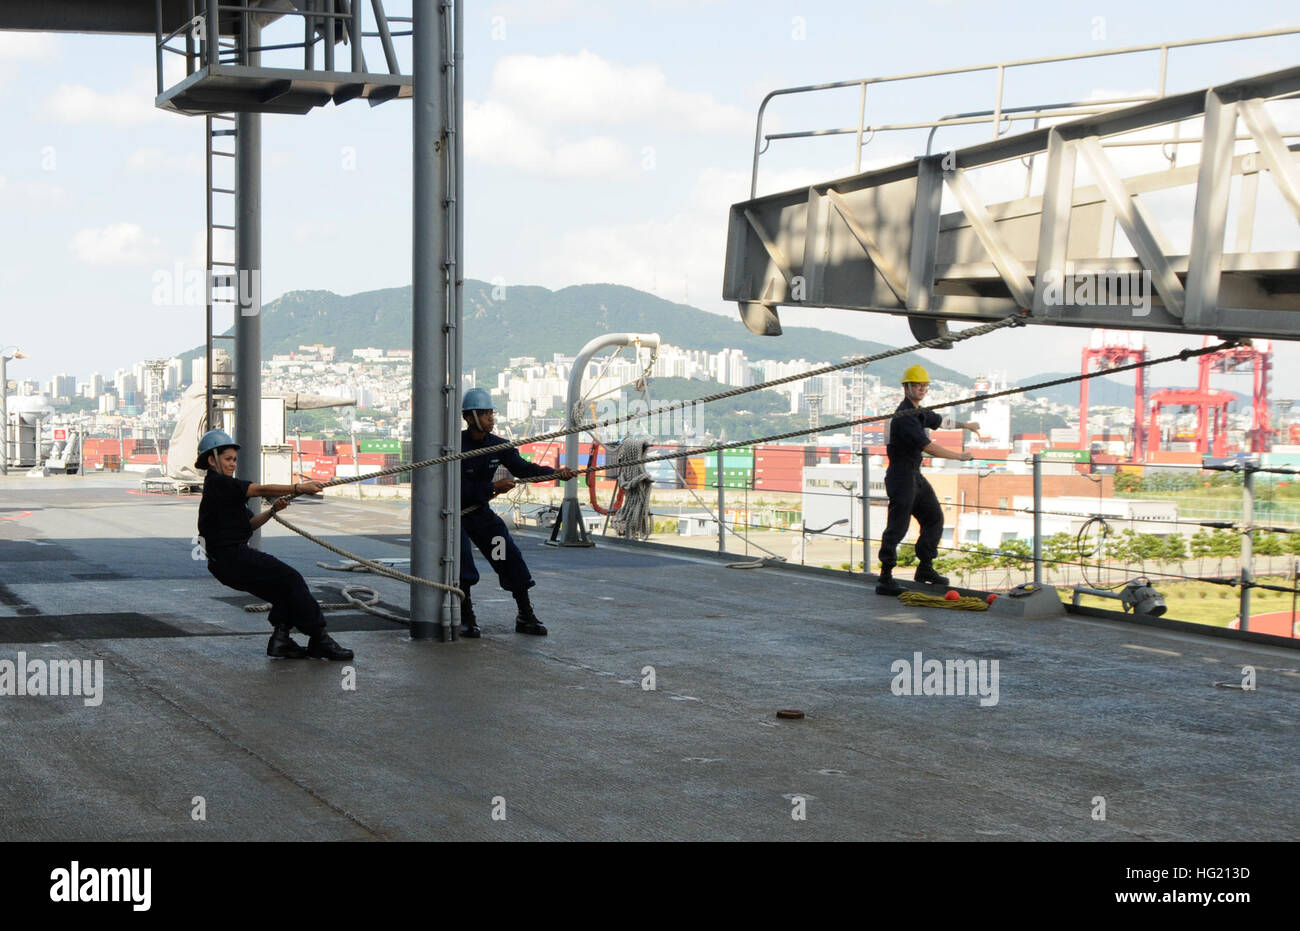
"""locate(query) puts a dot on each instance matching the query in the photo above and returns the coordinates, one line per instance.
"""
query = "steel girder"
(877, 241)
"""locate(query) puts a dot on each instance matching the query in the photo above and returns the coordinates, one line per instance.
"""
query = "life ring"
(591, 485)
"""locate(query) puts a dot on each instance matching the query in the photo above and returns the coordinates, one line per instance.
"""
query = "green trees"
(1059, 550)
(1145, 547)
(1118, 549)
(979, 558)
(1175, 550)
(1127, 483)
(1268, 544)
(1224, 544)
(1202, 545)
(946, 564)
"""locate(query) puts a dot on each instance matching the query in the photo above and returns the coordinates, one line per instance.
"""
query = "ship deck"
(559, 734)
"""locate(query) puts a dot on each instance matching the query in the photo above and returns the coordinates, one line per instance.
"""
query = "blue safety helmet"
(213, 440)
(477, 399)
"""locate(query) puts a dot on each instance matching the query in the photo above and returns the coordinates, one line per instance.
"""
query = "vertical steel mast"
(435, 376)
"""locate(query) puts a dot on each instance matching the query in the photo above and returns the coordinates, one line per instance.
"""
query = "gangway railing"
(999, 116)
(879, 240)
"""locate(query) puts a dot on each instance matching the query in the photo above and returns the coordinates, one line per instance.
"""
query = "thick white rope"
(640, 460)
(358, 596)
(938, 343)
(373, 566)
(632, 520)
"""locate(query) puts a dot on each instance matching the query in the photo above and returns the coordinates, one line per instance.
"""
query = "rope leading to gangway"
(940, 343)
(943, 342)
(1182, 356)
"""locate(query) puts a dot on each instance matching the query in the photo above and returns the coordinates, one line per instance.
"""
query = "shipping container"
(785, 483)
(952, 439)
(693, 475)
(1183, 457)
(600, 478)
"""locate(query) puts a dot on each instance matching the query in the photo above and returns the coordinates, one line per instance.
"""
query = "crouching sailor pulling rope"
(482, 526)
(226, 523)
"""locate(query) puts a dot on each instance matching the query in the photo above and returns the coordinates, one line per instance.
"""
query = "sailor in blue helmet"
(481, 525)
(225, 525)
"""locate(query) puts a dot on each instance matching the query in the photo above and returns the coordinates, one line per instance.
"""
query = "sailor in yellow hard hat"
(907, 442)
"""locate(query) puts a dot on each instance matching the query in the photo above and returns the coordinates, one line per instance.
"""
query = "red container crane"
(1110, 348)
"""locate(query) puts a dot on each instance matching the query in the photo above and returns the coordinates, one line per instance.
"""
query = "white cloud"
(541, 112)
(155, 161)
(77, 103)
(33, 192)
(587, 89)
(531, 13)
(116, 244)
(516, 13)
(197, 256)
(28, 46)
(678, 257)
(499, 135)
(16, 47)
(317, 232)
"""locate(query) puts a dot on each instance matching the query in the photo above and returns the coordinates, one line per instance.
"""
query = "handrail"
(999, 67)
(207, 13)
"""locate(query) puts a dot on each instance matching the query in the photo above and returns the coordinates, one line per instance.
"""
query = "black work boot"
(282, 646)
(886, 585)
(323, 646)
(468, 622)
(925, 573)
(526, 622)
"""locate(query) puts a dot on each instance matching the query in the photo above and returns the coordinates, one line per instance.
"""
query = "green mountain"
(532, 321)
(1102, 392)
(1108, 392)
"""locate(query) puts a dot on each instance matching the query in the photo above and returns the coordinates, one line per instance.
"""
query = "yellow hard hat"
(916, 374)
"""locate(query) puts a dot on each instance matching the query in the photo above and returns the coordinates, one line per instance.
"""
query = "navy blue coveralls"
(224, 529)
(910, 495)
(482, 526)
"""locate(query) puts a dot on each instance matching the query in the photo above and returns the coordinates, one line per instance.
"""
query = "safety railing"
(1091, 553)
(1002, 117)
(208, 35)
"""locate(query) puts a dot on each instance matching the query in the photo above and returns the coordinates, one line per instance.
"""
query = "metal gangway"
(879, 240)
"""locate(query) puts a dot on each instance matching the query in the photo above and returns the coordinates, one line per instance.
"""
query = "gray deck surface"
(560, 734)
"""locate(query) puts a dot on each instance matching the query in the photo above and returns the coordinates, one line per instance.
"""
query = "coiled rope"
(964, 603)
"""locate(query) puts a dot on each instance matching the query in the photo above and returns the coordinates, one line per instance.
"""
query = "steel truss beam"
(845, 243)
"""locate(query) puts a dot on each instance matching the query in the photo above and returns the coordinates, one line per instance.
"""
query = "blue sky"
(605, 142)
